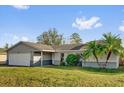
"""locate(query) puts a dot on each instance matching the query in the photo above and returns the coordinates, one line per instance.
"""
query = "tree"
(93, 49)
(6, 46)
(108, 45)
(112, 44)
(50, 37)
(75, 38)
(72, 59)
(121, 54)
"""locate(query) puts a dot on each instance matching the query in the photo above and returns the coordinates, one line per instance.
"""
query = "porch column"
(41, 58)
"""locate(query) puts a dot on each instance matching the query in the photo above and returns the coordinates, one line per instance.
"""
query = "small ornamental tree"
(72, 59)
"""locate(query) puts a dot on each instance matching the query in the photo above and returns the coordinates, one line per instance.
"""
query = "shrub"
(62, 64)
(72, 59)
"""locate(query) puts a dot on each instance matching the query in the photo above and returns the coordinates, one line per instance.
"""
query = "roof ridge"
(40, 46)
(35, 43)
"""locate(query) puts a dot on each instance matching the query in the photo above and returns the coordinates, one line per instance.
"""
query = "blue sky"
(25, 23)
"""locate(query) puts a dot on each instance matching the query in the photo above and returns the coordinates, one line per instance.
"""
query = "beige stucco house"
(34, 54)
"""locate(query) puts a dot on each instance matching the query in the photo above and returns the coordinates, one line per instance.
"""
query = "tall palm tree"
(121, 54)
(93, 49)
(112, 44)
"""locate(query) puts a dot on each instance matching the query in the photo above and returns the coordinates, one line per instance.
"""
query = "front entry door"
(36, 59)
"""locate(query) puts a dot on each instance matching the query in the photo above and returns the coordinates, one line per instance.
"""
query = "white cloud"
(21, 7)
(121, 27)
(16, 38)
(13, 38)
(24, 38)
(97, 25)
(83, 24)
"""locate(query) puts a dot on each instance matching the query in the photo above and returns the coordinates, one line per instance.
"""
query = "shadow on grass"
(120, 70)
(5, 65)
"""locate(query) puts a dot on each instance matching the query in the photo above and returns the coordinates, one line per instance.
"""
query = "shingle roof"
(34, 45)
(42, 47)
(69, 47)
(61, 47)
(39, 46)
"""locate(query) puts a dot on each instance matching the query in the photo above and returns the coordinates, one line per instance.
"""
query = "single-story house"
(35, 54)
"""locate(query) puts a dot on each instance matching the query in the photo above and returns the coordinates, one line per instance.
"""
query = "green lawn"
(60, 76)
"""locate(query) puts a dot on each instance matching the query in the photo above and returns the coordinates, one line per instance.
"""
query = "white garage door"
(20, 59)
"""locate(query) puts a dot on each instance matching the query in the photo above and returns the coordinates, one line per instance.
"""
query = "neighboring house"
(34, 54)
(3, 56)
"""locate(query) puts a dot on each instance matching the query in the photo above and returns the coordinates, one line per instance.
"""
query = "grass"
(60, 76)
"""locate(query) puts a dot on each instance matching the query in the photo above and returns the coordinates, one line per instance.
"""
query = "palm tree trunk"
(108, 56)
(96, 59)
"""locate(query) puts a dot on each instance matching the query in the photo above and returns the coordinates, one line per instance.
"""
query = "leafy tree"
(72, 59)
(112, 44)
(50, 37)
(75, 38)
(6, 46)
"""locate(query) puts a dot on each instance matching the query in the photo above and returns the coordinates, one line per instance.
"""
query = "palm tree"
(93, 49)
(121, 54)
(112, 44)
